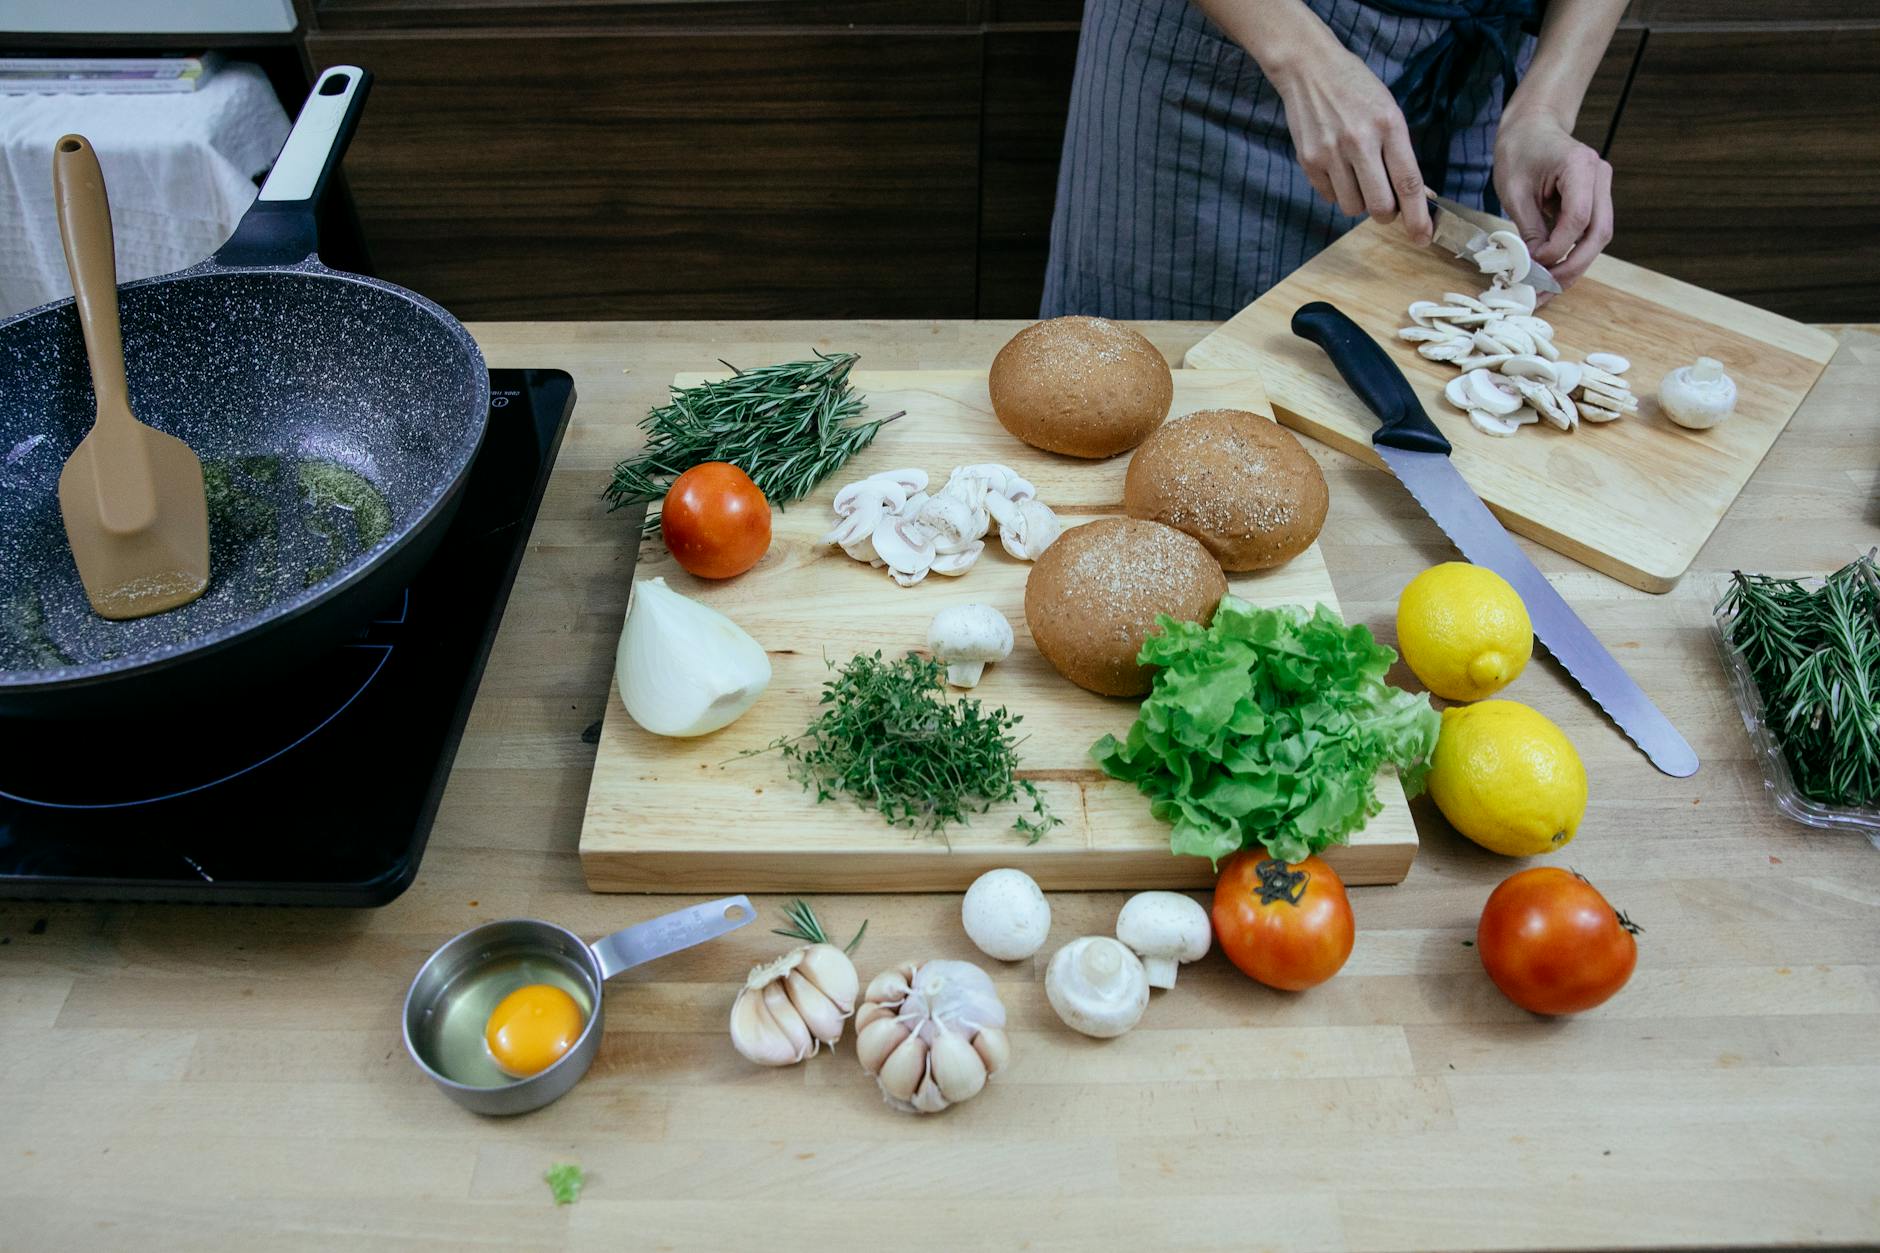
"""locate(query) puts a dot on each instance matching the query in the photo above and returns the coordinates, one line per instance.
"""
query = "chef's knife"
(1418, 454)
(1457, 233)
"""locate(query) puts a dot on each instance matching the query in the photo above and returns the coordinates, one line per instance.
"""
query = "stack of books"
(106, 75)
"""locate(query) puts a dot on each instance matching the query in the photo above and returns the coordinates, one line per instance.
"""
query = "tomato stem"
(1280, 882)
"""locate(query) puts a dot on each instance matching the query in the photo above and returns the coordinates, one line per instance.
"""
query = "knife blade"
(1456, 232)
(1418, 454)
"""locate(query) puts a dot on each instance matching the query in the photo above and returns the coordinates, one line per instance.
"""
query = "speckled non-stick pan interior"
(333, 415)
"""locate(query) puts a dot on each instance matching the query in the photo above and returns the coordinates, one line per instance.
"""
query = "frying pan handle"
(279, 228)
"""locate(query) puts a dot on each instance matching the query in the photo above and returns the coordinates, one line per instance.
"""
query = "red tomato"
(1552, 944)
(715, 521)
(1287, 926)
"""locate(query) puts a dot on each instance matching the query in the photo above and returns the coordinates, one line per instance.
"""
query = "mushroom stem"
(1707, 370)
(965, 673)
(1100, 964)
(1161, 971)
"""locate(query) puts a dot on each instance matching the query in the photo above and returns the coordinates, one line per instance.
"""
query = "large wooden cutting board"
(669, 815)
(1635, 498)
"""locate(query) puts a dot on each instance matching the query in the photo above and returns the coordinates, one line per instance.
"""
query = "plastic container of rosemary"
(1803, 660)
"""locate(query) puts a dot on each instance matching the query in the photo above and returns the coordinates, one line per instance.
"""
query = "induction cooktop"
(318, 788)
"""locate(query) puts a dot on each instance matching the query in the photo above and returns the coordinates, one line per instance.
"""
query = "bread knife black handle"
(1373, 376)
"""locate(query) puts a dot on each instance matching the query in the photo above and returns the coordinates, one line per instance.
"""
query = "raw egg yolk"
(531, 1028)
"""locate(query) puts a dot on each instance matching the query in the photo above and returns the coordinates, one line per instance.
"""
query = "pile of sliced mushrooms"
(1512, 373)
(892, 522)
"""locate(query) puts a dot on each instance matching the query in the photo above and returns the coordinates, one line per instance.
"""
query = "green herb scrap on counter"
(889, 739)
(1267, 728)
(787, 426)
(1814, 653)
(565, 1181)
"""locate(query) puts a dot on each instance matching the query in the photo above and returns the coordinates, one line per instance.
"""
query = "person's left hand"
(1557, 191)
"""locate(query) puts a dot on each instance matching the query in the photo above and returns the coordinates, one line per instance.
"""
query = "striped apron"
(1178, 193)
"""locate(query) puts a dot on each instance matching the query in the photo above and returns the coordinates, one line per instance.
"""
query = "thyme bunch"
(1814, 653)
(788, 426)
(889, 739)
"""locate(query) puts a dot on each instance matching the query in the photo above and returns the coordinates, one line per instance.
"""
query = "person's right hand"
(1351, 139)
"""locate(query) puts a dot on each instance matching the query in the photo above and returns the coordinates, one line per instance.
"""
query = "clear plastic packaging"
(1775, 765)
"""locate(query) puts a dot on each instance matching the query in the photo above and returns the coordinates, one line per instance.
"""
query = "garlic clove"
(819, 1013)
(928, 1098)
(892, 985)
(795, 1030)
(956, 1066)
(756, 1035)
(901, 1073)
(994, 1049)
(830, 969)
(875, 1042)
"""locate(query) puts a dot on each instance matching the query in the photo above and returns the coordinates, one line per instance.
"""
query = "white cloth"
(179, 169)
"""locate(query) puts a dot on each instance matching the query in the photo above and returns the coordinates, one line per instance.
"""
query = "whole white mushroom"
(1097, 986)
(1006, 915)
(964, 638)
(1164, 929)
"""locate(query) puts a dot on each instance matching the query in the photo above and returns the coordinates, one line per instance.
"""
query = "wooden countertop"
(190, 1078)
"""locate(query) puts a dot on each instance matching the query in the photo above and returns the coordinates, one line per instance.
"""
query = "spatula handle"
(91, 259)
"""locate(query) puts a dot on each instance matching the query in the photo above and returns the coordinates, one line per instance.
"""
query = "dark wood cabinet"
(1748, 161)
(729, 174)
(898, 158)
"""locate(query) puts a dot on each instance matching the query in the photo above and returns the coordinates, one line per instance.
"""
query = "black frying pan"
(336, 417)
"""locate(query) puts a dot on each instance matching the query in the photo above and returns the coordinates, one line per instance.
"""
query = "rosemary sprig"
(806, 926)
(888, 738)
(786, 425)
(1814, 653)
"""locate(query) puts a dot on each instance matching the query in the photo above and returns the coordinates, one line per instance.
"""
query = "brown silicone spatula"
(131, 496)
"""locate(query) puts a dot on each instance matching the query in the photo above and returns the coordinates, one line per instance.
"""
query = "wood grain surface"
(809, 604)
(190, 1078)
(1635, 498)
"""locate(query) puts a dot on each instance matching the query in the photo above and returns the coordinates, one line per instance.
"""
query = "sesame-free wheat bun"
(1242, 485)
(1091, 600)
(1088, 387)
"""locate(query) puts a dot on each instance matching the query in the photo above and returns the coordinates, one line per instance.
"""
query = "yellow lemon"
(1507, 778)
(1463, 630)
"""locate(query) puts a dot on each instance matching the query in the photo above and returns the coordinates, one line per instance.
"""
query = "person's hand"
(1351, 139)
(1557, 191)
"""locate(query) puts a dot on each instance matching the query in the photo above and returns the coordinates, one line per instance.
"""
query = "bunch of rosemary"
(787, 426)
(889, 738)
(1815, 656)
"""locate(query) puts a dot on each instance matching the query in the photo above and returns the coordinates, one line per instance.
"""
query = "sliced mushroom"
(1456, 392)
(1489, 424)
(890, 488)
(1567, 374)
(1610, 362)
(907, 549)
(1032, 529)
(959, 561)
(1530, 367)
(951, 519)
(1449, 350)
(1594, 413)
(1491, 392)
(1421, 334)
(1511, 297)
(1506, 255)
(1427, 312)
(1465, 301)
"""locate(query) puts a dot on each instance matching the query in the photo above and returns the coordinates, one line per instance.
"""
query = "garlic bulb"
(791, 1006)
(684, 668)
(931, 1034)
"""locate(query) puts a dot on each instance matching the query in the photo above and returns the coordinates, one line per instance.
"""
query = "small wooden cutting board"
(1635, 498)
(668, 815)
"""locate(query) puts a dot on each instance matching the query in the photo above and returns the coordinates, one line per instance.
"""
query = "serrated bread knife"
(1418, 455)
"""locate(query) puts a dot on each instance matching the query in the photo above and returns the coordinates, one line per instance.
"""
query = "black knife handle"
(1373, 376)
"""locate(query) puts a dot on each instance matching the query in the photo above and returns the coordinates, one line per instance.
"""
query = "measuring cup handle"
(669, 933)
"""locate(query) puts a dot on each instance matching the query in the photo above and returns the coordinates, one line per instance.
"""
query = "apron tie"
(1433, 87)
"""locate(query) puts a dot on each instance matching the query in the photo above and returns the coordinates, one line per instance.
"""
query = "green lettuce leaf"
(1267, 728)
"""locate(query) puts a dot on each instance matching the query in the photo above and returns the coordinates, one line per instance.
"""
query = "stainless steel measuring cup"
(589, 966)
